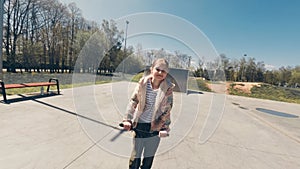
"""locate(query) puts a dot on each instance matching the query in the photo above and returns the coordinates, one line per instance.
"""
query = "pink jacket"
(163, 104)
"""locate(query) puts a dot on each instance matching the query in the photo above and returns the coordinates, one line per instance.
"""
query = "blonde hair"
(158, 60)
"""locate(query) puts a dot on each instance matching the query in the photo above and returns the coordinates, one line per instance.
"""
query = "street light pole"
(1, 37)
(127, 22)
(242, 78)
(125, 52)
(189, 63)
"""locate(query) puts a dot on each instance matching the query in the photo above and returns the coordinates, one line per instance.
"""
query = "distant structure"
(178, 76)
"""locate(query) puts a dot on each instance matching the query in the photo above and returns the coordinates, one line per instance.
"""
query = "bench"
(51, 82)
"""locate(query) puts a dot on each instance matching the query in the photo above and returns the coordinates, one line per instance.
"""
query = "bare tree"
(53, 14)
(73, 26)
(16, 14)
(112, 45)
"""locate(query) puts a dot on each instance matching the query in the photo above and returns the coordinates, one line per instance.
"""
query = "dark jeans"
(144, 143)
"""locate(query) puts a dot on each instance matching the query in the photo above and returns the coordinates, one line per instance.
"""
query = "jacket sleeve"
(132, 105)
(166, 114)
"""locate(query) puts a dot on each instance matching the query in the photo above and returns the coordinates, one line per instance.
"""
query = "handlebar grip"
(121, 124)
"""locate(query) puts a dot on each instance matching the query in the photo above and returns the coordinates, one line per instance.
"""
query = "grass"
(198, 84)
(137, 77)
(270, 92)
(237, 92)
(265, 91)
(52, 88)
(193, 83)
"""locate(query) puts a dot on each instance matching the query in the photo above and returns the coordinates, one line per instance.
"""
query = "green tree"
(250, 71)
(285, 74)
(242, 70)
(295, 78)
(112, 45)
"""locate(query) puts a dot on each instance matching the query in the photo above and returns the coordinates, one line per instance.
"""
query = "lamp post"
(127, 22)
(125, 52)
(189, 63)
(242, 78)
(1, 37)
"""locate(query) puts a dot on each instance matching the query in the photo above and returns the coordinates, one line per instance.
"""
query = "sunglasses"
(160, 70)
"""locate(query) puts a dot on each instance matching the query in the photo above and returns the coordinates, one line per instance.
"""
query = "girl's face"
(159, 70)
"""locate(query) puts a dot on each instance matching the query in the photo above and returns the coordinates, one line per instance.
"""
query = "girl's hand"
(163, 134)
(127, 125)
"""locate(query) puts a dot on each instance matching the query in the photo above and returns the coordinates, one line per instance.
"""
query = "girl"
(148, 114)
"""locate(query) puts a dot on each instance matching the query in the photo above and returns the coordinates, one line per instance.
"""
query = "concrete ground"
(79, 130)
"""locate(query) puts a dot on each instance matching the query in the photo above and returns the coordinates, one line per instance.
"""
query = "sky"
(267, 30)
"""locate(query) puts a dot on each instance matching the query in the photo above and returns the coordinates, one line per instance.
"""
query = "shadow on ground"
(193, 92)
(276, 113)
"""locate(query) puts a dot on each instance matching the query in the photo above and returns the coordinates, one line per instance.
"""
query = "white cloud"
(270, 67)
